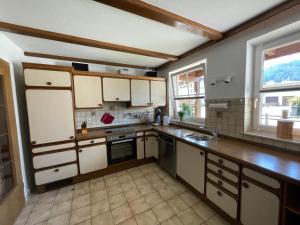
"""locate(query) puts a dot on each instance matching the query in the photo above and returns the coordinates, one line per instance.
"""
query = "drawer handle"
(80, 150)
(117, 98)
(56, 170)
(48, 83)
(71, 137)
(245, 185)
(142, 139)
(33, 142)
(201, 153)
(221, 161)
(99, 104)
(156, 139)
(92, 142)
(220, 172)
(220, 183)
(219, 193)
(146, 139)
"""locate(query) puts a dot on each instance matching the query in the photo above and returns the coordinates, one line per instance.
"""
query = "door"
(158, 93)
(140, 148)
(92, 158)
(191, 165)
(140, 92)
(116, 89)
(11, 184)
(88, 91)
(151, 147)
(50, 115)
(258, 205)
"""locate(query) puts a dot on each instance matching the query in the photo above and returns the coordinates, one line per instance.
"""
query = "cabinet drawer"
(52, 159)
(55, 174)
(222, 172)
(224, 162)
(147, 133)
(92, 141)
(261, 178)
(53, 147)
(222, 200)
(223, 183)
(47, 78)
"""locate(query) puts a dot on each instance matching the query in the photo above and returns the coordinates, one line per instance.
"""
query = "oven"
(121, 148)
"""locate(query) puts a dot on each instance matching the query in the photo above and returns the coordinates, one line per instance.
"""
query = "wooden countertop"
(283, 164)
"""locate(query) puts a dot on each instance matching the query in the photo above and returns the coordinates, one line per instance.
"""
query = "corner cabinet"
(191, 165)
(87, 91)
(116, 89)
(158, 90)
(140, 148)
(140, 92)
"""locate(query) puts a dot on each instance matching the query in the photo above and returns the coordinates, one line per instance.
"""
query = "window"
(278, 84)
(189, 93)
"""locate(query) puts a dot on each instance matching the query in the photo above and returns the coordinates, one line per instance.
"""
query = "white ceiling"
(89, 19)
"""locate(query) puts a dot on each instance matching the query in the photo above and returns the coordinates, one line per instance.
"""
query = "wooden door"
(158, 93)
(140, 148)
(116, 89)
(140, 92)
(88, 91)
(92, 158)
(50, 115)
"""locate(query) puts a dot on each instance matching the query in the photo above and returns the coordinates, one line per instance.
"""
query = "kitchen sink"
(199, 137)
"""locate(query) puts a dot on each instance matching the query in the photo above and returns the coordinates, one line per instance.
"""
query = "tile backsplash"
(122, 113)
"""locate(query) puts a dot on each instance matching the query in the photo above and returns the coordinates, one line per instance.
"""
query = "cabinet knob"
(202, 153)
(48, 83)
(80, 150)
(99, 104)
(142, 139)
(92, 141)
(146, 139)
(71, 137)
(220, 183)
(219, 193)
(220, 172)
(245, 185)
(117, 99)
(56, 170)
(33, 142)
(220, 161)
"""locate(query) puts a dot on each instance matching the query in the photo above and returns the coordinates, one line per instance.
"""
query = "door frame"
(13, 202)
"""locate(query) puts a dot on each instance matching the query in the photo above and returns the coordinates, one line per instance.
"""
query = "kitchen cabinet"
(191, 165)
(116, 89)
(140, 148)
(87, 91)
(140, 92)
(50, 115)
(158, 90)
(92, 158)
(151, 147)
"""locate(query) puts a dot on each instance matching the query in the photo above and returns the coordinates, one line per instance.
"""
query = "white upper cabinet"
(158, 93)
(50, 115)
(88, 91)
(140, 92)
(47, 78)
(116, 89)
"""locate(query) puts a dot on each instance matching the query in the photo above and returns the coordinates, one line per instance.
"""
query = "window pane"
(180, 85)
(193, 108)
(196, 83)
(282, 66)
(274, 103)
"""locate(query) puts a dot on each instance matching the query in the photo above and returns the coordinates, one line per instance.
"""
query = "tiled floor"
(143, 195)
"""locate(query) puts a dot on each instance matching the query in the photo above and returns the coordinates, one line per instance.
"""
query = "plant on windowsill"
(181, 115)
(295, 102)
(186, 108)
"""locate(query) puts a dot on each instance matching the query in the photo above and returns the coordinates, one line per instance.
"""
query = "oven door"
(123, 150)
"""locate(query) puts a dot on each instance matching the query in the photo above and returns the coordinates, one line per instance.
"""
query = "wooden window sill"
(272, 136)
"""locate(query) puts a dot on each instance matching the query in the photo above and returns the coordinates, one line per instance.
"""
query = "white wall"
(229, 57)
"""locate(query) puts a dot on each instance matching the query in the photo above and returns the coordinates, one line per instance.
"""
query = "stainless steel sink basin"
(200, 137)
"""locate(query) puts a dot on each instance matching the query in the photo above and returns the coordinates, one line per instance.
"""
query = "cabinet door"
(116, 89)
(149, 151)
(140, 92)
(155, 147)
(92, 158)
(140, 148)
(88, 91)
(158, 93)
(191, 165)
(50, 115)
(258, 206)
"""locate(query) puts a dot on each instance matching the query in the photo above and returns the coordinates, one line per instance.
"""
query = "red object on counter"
(107, 118)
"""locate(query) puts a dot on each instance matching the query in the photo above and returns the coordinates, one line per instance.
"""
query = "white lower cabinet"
(140, 148)
(258, 205)
(191, 165)
(151, 147)
(92, 158)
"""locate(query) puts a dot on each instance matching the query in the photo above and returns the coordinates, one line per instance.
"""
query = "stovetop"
(119, 130)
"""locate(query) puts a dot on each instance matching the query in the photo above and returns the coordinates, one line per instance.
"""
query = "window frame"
(258, 89)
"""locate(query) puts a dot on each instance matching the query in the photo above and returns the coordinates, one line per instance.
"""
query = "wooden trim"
(73, 59)
(240, 28)
(234, 196)
(236, 173)
(47, 88)
(38, 66)
(55, 166)
(235, 184)
(160, 15)
(54, 36)
(112, 75)
(53, 151)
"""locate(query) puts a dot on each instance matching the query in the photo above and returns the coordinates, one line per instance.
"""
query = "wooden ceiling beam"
(151, 12)
(54, 36)
(74, 59)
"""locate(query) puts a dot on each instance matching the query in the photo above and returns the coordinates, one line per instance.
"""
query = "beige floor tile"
(43, 223)
(152, 177)
(178, 188)
(203, 210)
(129, 222)
(177, 204)
(172, 221)
(82, 185)
(146, 189)
(96, 180)
(124, 178)
(153, 199)
(117, 200)
(61, 208)
(111, 181)
(216, 220)
(98, 196)
(81, 201)
(136, 174)
(159, 184)
(38, 217)
(163, 212)
(66, 189)
(121, 213)
(139, 205)
(141, 181)
(189, 198)
(86, 222)
(133, 194)
(80, 192)
(100, 207)
(146, 218)
(128, 186)
(103, 219)
(80, 215)
(114, 190)
(166, 193)
(64, 196)
(62, 219)
(97, 186)
(190, 217)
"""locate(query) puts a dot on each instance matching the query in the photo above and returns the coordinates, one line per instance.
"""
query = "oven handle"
(122, 141)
